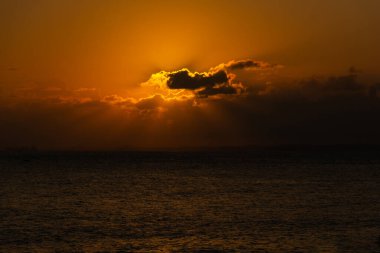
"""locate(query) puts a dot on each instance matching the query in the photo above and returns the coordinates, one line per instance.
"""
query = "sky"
(156, 74)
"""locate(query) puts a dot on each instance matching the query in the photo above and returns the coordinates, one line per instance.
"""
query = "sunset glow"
(159, 69)
(190, 126)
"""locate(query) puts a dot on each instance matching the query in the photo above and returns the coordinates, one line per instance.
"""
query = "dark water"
(227, 201)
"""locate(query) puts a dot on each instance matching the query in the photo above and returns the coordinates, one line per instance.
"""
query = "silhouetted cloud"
(244, 64)
(333, 110)
(184, 79)
(373, 90)
(218, 80)
(209, 91)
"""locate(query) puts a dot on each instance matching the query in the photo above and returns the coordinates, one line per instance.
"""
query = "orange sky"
(117, 44)
(101, 52)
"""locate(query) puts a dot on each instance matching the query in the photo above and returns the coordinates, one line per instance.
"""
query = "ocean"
(324, 199)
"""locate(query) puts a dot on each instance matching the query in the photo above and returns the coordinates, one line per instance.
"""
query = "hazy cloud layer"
(332, 110)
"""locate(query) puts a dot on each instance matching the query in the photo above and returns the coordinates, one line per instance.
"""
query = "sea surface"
(257, 200)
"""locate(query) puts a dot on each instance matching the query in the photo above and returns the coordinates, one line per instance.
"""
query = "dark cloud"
(209, 91)
(184, 79)
(218, 80)
(318, 111)
(373, 90)
(226, 89)
(343, 83)
(243, 64)
(203, 84)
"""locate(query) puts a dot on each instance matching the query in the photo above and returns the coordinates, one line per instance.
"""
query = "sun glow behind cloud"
(159, 112)
(236, 103)
(219, 80)
(139, 73)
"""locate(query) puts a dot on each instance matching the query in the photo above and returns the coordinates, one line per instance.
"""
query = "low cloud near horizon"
(232, 104)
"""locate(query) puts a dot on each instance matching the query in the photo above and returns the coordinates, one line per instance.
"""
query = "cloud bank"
(192, 109)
